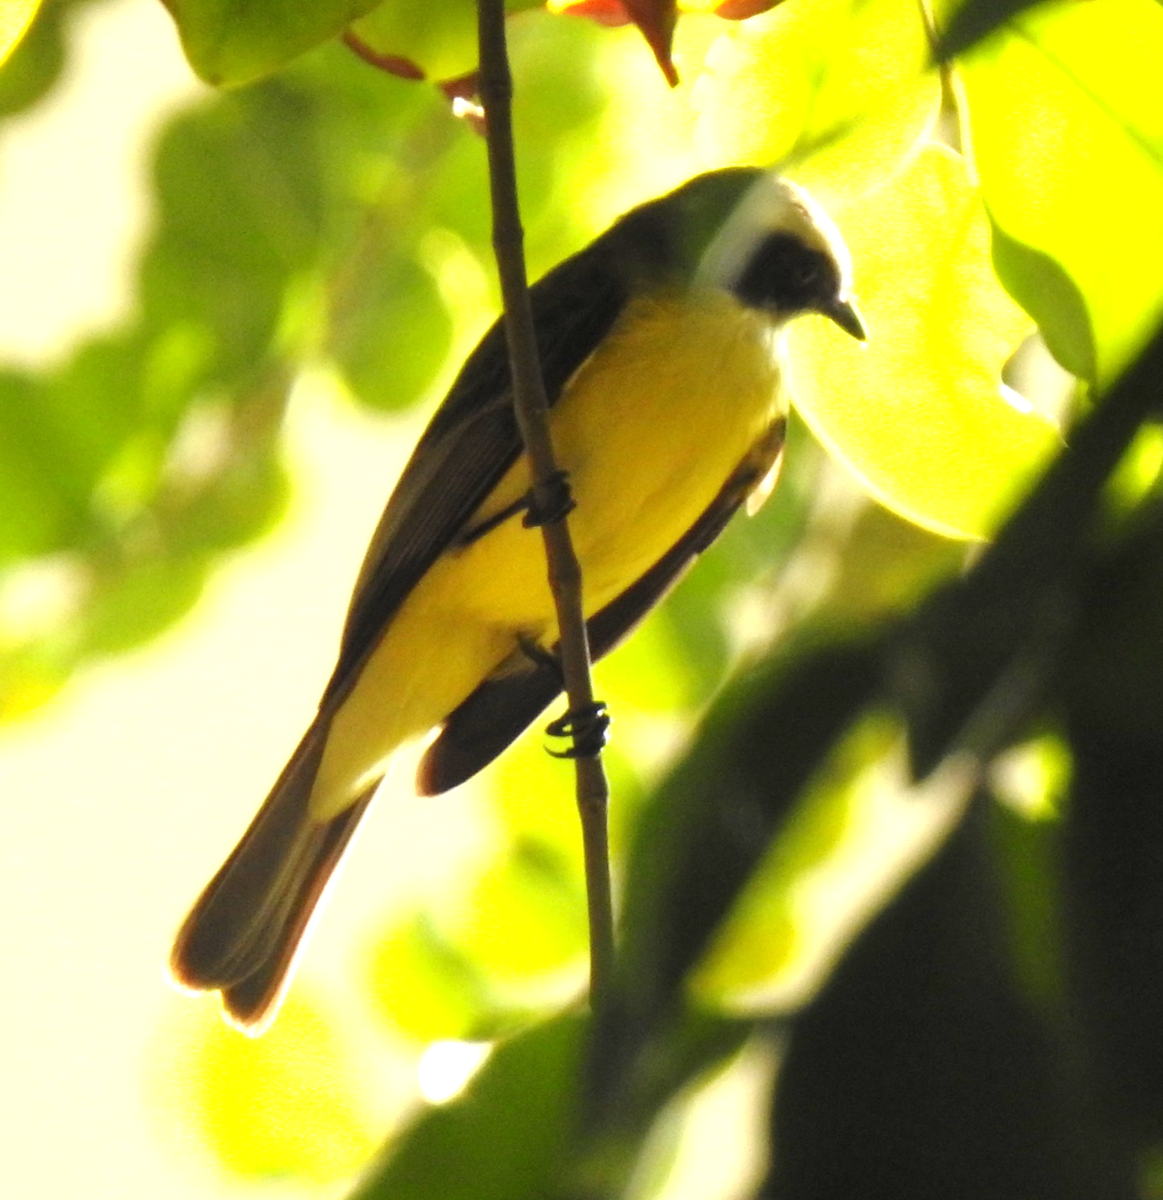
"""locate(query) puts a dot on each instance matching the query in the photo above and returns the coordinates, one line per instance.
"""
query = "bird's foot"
(559, 502)
(536, 653)
(587, 726)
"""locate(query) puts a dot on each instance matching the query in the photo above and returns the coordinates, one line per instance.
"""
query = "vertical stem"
(532, 412)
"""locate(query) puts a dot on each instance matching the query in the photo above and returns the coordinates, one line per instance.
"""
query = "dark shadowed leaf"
(921, 1070)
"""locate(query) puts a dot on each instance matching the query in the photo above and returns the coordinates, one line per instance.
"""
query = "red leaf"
(654, 18)
(740, 10)
(602, 12)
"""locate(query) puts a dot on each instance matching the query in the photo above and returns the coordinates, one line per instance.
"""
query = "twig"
(532, 411)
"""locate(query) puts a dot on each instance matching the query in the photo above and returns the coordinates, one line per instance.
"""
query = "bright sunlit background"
(122, 795)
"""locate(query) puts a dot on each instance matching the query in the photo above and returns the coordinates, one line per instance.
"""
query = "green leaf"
(15, 18)
(241, 215)
(1040, 285)
(506, 1136)
(423, 986)
(238, 41)
(41, 507)
(243, 501)
(921, 1071)
(525, 916)
(919, 412)
(288, 1105)
(978, 656)
(394, 334)
(137, 602)
(841, 88)
(786, 923)
(1067, 131)
(710, 823)
(35, 63)
(970, 22)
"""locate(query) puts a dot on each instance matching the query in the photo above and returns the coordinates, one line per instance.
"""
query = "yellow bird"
(661, 351)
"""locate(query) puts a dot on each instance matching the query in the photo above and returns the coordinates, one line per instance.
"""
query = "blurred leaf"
(712, 820)
(229, 43)
(922, 1061)
(1114, 820)
(529, 1126)
(283, 1106)
(40, 508)
(241, 214)
(533, 796)
(525, 916)
(36, 62)
(394, 335)
(137, 602)
(763, 947)
(651, 672)
(977, 660)
(423, 986)
(919, 412)
(506, 1136)
(1029, 851)
(886, 563)
(246, 498)
(1068, 142)
(840, 92)
(15, 18)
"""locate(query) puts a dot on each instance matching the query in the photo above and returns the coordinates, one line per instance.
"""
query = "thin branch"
(532, 411)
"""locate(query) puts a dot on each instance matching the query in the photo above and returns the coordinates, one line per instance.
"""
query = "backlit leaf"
(919, 412)
(1067, 120)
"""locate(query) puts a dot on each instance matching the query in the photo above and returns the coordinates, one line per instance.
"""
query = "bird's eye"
(807, 272)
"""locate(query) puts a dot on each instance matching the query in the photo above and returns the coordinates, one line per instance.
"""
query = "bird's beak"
(846, 316)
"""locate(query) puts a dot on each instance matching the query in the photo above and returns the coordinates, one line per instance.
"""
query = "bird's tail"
(243, 934)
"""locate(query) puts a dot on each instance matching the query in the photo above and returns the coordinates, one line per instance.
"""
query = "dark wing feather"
(500, 709)
(469, 445)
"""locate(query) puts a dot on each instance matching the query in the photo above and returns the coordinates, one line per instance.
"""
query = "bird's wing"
(469, 445)
(500, 709)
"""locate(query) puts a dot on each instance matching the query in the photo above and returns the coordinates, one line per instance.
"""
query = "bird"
(662, 354)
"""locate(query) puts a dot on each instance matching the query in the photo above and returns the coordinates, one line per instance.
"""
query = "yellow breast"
(649, 429)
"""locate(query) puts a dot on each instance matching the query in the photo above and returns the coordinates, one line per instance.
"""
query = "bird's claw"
(559, 502)
(587, 726)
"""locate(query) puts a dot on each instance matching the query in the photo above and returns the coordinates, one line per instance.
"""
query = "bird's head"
(777, 251)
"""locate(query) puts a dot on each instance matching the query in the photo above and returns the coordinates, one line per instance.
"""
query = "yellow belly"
(649, 430)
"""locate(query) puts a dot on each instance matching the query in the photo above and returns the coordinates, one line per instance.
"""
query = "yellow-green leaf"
(843, 84)
(15, 18)
(919, 413)
(1067, 118)
(287, 1105)
(423, 986)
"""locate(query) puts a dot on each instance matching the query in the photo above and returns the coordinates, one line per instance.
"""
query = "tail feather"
(244, 931)
(252, 1002)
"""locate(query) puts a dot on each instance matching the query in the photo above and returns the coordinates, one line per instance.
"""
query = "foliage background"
(233, 394)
